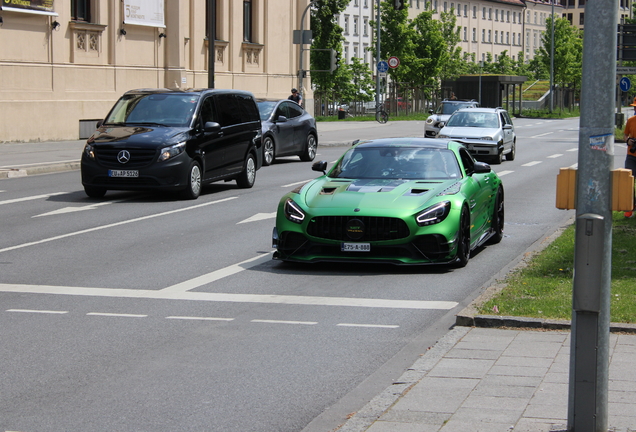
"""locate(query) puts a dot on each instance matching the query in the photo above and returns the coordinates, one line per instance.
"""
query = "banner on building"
(28, 5)
(143, 12)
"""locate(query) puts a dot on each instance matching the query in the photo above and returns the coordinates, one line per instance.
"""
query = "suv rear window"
(451, 107)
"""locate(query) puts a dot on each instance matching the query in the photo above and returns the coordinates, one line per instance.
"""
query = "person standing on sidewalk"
(630, 139)
(295, 96)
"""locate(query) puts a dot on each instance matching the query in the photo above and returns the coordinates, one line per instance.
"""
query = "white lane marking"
(503, 173)
(554, 156)
(122, 315)
(297, 183)
(258, 217)
(541, 135)
(31, 198)
(193, 318)
(36, 311)
(284, 322)
(234, 298)
(532, 163)
(65, 210)
(573, 149)
(367, 325)
(218, 274)
(50, 239)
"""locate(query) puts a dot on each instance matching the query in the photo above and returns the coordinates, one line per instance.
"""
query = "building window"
(507, 16)
(474, 34)
(445, 6)
(466, 10)
(247, 20)
(483, 35)
(507, 38)
(582, 19)
(489, 36)
(355, 27)
(496, 14)
(490, 14)
(474, 11)
(483, 13)
(346, 24)
(365, 30)
(81, 10)
(465, 34)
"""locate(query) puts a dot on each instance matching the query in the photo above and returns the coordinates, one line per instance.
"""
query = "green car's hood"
(369, 194)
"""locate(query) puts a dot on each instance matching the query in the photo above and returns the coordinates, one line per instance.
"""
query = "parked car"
(393, 200)
(174, 140)
(442, 113)
(288, 130)
(488, 133)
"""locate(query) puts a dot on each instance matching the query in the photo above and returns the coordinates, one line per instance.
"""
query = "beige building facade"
(64, 63)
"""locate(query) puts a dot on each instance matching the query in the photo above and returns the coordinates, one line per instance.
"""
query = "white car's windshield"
(473, 119)
(397, 163)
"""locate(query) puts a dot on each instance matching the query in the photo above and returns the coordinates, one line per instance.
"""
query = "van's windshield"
(159, 109)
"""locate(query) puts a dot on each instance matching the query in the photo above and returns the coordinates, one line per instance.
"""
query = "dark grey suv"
(442, 113)
(174, 140)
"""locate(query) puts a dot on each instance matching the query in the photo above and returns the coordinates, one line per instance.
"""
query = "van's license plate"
(123, 173)
(355, 247)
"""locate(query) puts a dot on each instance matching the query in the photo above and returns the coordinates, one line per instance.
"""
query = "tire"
(463, 240)
(497, 224)
(497, 160)
(94, 192)
(513, 150)
(268, 151)
(194, 181)
(247, 178)
(381, 117)
(310, 149)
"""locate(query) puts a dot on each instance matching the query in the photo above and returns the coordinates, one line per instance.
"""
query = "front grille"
(375, 228)
(107, 156)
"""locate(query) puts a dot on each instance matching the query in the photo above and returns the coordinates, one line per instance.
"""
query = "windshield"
(397, 163)
(265, 109)
(163, 109)
(448, 108)
(474, 119)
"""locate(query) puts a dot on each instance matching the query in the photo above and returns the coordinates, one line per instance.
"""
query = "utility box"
(622, 190)
(566, 189)
(588, 260)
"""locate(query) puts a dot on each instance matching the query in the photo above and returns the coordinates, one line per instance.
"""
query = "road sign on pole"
(383, 66)
(625, 84)
(394, 62)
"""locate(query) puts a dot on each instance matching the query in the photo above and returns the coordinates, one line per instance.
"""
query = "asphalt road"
(140, 312)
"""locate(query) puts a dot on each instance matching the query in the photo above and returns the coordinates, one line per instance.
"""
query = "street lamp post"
(301, 71)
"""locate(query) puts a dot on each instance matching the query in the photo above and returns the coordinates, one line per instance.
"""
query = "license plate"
(123, 173)
(355, 247)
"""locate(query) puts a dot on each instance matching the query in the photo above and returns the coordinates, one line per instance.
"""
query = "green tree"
(430, 50)
(327, 34)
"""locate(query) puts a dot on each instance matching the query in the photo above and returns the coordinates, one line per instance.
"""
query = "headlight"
(487, 138)
(430, 120)
(443, 136)
(170, 152)
(434, 214)
(90, 151)
(293, 212)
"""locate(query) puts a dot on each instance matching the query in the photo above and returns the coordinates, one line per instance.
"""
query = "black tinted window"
(248, 108)
(294, 110)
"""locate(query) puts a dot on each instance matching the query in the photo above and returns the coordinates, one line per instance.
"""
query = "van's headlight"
(293, 212)
(170, 152)
(434, 214)
(90, 151)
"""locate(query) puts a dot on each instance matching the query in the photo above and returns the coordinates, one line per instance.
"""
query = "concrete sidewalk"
(496, 380)
(22, 159)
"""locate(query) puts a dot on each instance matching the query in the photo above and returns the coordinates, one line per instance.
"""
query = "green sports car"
(395, 200)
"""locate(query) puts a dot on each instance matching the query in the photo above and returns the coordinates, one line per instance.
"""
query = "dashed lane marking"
(503, 173)
(31, 198)
(554, 156)
(368, 325)
(533, 163)
(119, 315)
(37, 311)
(284, 322)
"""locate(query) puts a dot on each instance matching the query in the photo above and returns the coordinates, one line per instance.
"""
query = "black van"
(179, 140)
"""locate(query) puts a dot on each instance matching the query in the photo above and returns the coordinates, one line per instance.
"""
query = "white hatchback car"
(488, 133)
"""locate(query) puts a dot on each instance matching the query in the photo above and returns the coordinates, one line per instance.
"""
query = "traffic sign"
(383, 66)
(625, 70)
(394, 62)
(625, 84)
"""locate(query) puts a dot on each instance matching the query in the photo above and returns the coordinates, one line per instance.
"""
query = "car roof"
(481, 109)
(199, 91)
(433, 143)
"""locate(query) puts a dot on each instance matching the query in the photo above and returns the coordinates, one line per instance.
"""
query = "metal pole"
(211, 11)
(301, 71)
(378, 55)
(552, 60)
(589, 352)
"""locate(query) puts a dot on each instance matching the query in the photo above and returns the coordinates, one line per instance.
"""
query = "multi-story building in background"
(64, 63)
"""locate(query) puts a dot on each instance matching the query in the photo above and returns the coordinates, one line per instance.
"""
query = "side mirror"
(281, 119)
(507, 126)
(99, 124)
(430, 111)
(481, 168)
(320, 166)
(211, 127)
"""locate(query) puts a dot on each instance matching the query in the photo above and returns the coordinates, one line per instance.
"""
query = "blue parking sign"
(383, 66)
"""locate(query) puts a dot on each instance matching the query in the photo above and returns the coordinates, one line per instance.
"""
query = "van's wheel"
(268, 151)
(463, 240)
(310, 149)
(194, 181)
(94, 192)
(247, 178)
